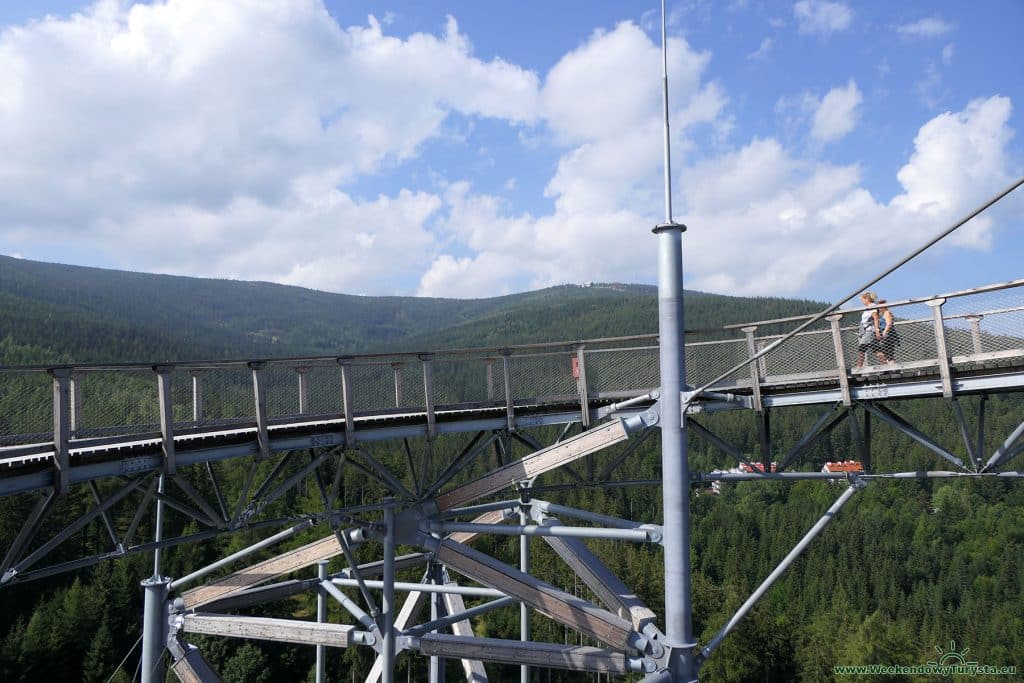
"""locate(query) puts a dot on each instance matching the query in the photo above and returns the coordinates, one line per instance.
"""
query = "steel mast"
(674, 456)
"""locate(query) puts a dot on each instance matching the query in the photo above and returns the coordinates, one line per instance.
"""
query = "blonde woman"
(868, 335)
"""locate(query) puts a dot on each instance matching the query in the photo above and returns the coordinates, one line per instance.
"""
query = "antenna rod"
(664, 99)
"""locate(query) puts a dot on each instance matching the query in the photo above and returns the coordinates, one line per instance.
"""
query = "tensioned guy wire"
(888, 271)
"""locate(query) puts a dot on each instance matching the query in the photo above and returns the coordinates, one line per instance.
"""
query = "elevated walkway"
(86, 422)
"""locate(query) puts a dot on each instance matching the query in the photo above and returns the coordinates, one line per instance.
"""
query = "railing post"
(428, 392)
(396, 368)
(837, 346)
(61, 429)
(755, 371)
(77, 382)
(581, 385)
(940, 347)
(260, 395)
(163, 385)
(346, 403)
(303, 374)
(975, 321)
(197, 396)
(490, 379)
(510, 409)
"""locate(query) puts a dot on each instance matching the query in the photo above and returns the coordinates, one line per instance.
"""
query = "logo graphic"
(951, 662)
(953, 657)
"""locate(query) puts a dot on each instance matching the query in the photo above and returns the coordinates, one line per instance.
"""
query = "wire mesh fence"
(624, 369)
(26, 408)
(980, 326)
(543, 375)
(472, 379)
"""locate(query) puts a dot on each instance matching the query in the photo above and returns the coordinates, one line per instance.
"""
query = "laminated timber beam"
(408, 614)
(606, 585)
(535, 464)
(472, 668)
(563, 607)
(279, 630)
(189, 664)
(573, 657)
(288, 562)
(285, 589)
(233, 591)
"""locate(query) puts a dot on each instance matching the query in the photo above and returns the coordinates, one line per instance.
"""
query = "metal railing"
(938, 334)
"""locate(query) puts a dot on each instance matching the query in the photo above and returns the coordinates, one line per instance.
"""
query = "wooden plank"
(564, 608)
(535, 464)
(264, 628)
(190, 666)
(288, 562)
(472, 668)
(306, 556)
(606, 585)
(503, 651)
(409, 614)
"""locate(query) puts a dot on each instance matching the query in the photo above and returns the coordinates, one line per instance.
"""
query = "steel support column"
(321, 617)
(388, 628)
(674, 453)
(154, 622)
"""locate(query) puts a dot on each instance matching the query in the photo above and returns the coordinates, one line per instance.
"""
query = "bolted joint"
(640, 421)
(654, 636)
(654, 532)
(643, 665)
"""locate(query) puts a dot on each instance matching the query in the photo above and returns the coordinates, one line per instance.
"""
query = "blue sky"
(475, 149)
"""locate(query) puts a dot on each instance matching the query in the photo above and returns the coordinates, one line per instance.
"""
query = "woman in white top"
(868, 334)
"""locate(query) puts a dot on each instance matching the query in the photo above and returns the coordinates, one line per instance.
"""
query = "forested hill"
(52, 311)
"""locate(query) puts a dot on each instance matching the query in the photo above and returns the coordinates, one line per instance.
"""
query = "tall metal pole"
(436, 671)
(153, 615)
(524, 565)
(388, 600)
(321, 617)
(674, 456)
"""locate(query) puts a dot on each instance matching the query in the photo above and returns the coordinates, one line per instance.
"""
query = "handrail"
(514, 349)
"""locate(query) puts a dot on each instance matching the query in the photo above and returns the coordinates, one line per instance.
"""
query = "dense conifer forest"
(906, 567)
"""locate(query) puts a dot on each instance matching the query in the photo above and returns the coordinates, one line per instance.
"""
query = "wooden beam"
(535, 464)
(503, 651)
(264, 628)
(606, 585)
(305, 556)
(288, 562)
(563, 607)
(408, 614)
(189, 664)
(454, 604)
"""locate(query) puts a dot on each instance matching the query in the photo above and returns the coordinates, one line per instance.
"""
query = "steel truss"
(434, 508)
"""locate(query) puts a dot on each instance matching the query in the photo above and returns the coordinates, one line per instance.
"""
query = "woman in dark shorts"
(885, 347)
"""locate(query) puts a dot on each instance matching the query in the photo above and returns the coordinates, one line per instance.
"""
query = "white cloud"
(958, 157)
(929, 27)
(212, 138)
(831, 117)
(929, 88)
(166, 135)
(605, 184)
(838, 113)
(763, 50)
(762, 220)
(947, 53)
(821, 17)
